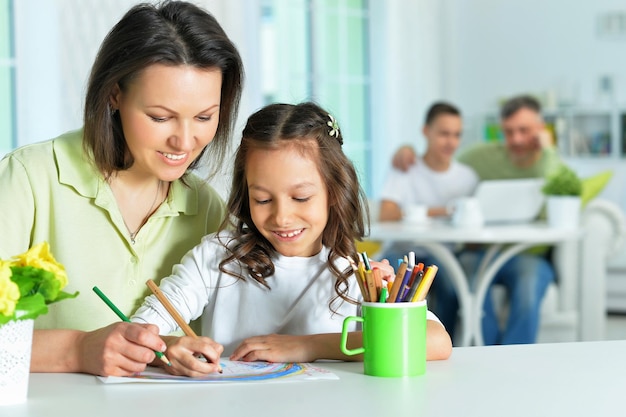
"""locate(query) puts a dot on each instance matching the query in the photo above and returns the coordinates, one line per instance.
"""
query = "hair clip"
(334, 127)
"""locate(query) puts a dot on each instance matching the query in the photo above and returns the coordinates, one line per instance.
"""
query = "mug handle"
(344, 336)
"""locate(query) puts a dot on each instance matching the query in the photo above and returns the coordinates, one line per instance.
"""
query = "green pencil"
(123, 317)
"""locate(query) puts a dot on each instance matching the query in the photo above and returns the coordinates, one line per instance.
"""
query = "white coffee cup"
(415, 213)
(466, 212)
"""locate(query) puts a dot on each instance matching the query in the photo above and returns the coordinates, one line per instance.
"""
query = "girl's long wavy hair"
(170, 33)
(305, 126)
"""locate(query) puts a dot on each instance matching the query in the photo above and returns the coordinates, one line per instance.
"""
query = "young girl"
(278, 285)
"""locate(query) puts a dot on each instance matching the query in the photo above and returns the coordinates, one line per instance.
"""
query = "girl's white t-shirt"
(233, 309)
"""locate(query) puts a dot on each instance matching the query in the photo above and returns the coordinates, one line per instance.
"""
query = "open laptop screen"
(510, 201)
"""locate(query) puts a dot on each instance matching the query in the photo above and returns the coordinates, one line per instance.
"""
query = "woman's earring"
(112, 111)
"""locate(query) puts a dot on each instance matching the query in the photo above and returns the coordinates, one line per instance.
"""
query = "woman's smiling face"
(169, 114)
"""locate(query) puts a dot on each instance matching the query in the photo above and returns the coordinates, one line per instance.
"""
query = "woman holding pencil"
(275, 283)
(117, 200)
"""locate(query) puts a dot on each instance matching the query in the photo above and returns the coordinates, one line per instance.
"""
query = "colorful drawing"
(234, 371)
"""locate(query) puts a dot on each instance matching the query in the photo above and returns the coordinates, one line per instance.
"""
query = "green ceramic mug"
(394, 338)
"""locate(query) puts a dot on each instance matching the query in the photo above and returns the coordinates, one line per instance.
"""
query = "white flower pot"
(16, 339)
(563, 212)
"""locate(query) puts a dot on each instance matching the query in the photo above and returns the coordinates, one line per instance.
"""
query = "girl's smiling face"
(169, 114)
(288, 199)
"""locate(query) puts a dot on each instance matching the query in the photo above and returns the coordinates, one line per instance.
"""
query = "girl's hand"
(275, 348)
(187, 356)
(386, 270)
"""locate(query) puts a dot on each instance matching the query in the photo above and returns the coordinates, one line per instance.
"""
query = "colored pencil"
(361, 271)
(378, 279)
(410, 295)
(170, 309)
(422, 290)
(123, 317)
(383, 295)
(397, 283)
(366, 261)
(402, 296)
(371, 286)
(174, 313)
(359, 279)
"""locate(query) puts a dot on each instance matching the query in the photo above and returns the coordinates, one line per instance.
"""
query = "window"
(318, 50)
(7, 70)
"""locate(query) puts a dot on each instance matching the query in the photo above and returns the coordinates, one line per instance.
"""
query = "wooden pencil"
(170, 309)
(371, 286)
(175, 314)
(378, 280)
(397, 283)
(360, 279)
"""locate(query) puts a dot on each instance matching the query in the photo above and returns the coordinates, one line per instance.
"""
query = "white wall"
(38, 72)
(405, 65)
(497, 48)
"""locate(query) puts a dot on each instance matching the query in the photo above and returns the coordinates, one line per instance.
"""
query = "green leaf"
(65, 295)
(23, 277)
(563, 181)
(30, 307)
(50, 288)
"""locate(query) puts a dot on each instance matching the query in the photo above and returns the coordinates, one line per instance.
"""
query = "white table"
(435, 236)
(567, 379)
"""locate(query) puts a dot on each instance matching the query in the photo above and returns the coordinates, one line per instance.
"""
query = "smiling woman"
(117, 200)
(165, 130)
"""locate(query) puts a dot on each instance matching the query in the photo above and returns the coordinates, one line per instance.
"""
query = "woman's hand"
(120, 349)
(187, 355)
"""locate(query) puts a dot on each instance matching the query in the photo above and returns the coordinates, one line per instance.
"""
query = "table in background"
(504, 242)
(560, 379)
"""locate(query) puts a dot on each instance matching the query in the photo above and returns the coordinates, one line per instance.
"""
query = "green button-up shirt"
(50, 191)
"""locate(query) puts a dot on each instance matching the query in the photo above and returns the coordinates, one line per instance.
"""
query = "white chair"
(579, 313)
(605, 233)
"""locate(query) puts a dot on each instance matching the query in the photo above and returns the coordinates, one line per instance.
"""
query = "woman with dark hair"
(117, 200)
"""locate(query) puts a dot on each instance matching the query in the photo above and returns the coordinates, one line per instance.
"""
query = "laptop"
(510, 201)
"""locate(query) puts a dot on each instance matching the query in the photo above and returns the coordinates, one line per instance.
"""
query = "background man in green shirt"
(527, 152)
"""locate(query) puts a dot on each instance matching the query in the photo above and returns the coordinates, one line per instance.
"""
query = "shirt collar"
(78, 171)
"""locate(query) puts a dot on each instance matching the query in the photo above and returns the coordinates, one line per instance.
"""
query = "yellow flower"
(39, 256)
(9, 291)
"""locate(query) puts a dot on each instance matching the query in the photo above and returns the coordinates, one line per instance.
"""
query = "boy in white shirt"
(436, 179)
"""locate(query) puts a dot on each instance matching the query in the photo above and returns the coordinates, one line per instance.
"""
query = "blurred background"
(377, 65)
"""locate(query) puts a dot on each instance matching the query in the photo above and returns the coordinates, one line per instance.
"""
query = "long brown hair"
(306, 126)
(173, 33)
